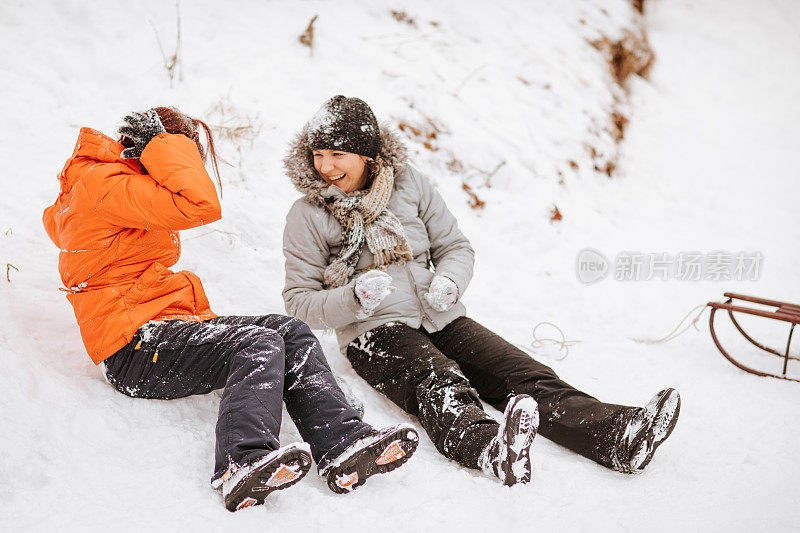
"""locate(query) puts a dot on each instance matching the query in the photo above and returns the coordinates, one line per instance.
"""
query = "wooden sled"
(785, 312)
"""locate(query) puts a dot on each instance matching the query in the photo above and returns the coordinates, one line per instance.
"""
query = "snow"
(442, 293)
(508, 95)
(321, 121)
(371, 288)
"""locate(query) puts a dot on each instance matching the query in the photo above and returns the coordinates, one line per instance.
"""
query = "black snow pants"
(260, 361)
(439, 377)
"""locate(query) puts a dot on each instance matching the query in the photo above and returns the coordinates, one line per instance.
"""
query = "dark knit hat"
(345, 124)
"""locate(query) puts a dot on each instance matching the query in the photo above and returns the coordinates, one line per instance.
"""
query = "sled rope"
(675, 333)
(539, 343)
(563, 344)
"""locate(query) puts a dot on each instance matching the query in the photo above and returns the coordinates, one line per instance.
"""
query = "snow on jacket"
(116, 225)
(312, 237)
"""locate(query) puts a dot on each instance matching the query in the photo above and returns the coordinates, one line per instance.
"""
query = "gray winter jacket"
(312, 236)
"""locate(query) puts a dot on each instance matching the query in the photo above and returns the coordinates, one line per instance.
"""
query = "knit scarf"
(364, 217)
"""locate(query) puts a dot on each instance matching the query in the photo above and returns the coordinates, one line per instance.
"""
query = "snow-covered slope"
(512, 86)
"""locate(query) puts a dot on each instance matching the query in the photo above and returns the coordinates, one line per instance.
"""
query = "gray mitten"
(140, 128)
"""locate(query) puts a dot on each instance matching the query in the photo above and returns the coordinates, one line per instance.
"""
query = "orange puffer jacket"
(116, 225)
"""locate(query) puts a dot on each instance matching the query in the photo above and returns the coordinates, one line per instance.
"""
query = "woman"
(116, 221)
(372, 251)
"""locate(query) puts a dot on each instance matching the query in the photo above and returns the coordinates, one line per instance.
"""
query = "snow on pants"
(440, 377)
(260, 361)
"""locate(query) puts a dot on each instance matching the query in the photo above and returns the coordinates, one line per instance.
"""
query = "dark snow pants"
(260, 361)
(439, 377)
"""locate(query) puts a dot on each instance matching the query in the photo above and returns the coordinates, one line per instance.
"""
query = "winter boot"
(508, 454)
(251, 483)
(377, 453)
(643, 433)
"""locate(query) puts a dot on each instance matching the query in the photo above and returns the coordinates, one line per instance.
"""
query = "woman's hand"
(140, 128)
(442, 293)
(371, 288)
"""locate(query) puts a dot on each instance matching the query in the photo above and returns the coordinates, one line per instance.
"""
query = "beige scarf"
(364, 217)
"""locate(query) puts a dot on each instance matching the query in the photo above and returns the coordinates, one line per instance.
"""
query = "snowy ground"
(708, 164)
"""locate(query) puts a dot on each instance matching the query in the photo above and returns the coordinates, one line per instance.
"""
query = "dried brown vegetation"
(619, 121)
(555, 214)
(402, 16)
(9, 266)
(426, 133)
(626, 56)
(230, 124)
(172, 63)
(307, 37)
(475, 202)
(630, 55)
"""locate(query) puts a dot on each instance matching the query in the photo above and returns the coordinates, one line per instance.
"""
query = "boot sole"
(664, 419)
(384, 455)
(268, 477)
(519, 435)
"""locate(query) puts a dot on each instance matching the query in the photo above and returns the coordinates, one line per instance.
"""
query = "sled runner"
(785, 312)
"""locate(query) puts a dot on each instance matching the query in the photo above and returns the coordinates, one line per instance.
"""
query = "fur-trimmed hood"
(299, 162)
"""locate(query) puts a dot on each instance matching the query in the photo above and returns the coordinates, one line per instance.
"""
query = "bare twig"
(231, 237)
(489, 175)
(173, 63)
(469, 77)
(390, 36)
(307, 37)
(178, 40)
(9, 266)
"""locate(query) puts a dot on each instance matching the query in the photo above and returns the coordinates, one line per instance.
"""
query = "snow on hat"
(345, 124)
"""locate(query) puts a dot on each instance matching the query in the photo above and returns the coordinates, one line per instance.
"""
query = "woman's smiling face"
(345, 170)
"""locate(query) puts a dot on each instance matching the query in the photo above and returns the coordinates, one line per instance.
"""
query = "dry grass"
(630, 55)
(228, 123)
(307, 37)
(475, 202)
(619, 122)
(426, 133)
(172, 63)
(402, 16)
(9, 266)
(555, 214)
